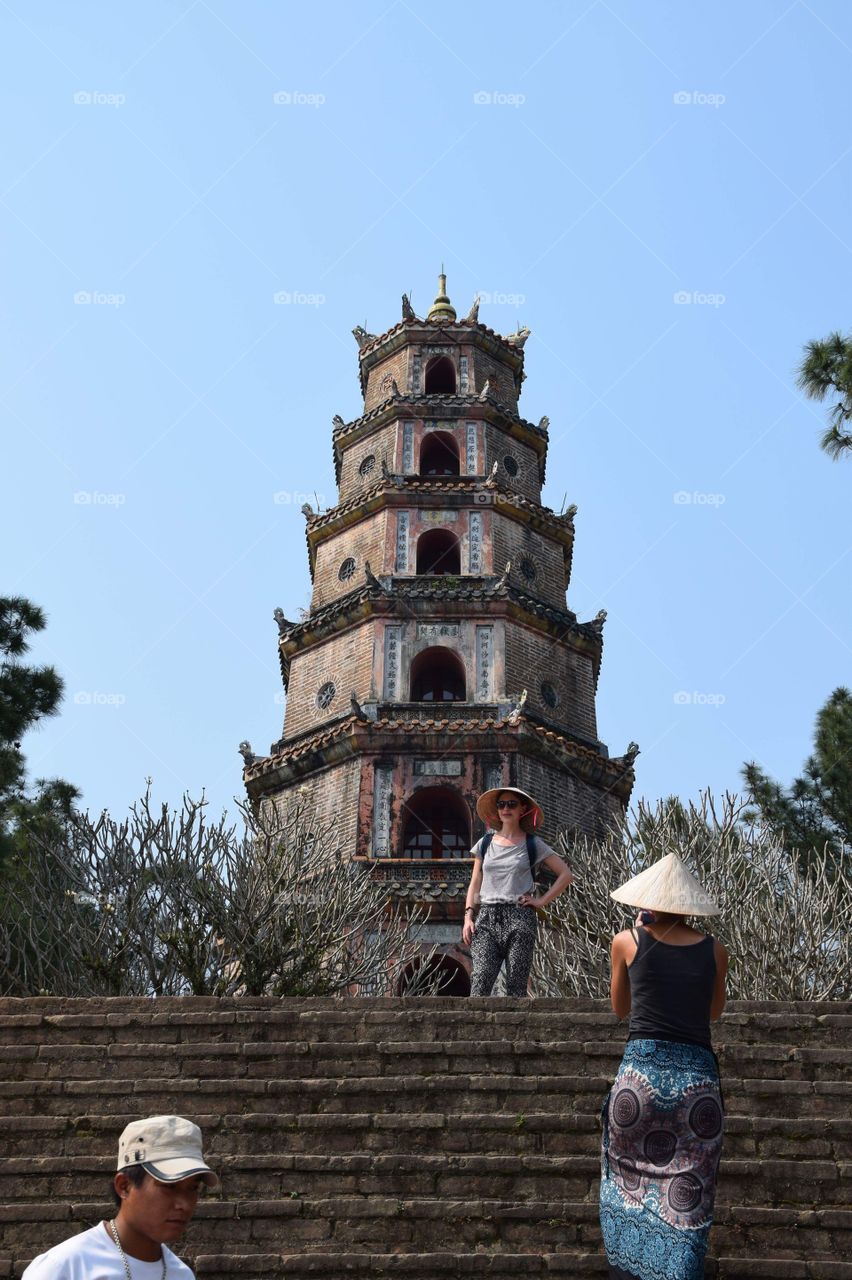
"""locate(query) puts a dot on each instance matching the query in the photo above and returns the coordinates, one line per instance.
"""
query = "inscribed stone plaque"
(393, 643)
(382, 791)
(475, 543)
(402, 542)
(444, 768)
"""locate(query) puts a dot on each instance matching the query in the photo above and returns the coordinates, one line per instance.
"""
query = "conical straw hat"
(667, 886)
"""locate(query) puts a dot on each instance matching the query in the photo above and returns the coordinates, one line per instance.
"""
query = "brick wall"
(330, 797)
(379, 444)
(497, 446)
(380, 376)
(532, 658)
(485, 369)
(346, 660)
(568, 802)
(362, 541)
(511, 540)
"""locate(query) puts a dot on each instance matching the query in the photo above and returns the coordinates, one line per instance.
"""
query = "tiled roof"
(590, 760)
(478, 590)
(437, 485)
(406, 405)
(436, 328)
(412, 406)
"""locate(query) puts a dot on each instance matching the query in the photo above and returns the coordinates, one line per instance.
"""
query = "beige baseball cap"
(167, 1147)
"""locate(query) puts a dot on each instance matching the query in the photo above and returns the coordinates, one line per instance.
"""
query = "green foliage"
(826, 369)
(27, 695)
(815, 811)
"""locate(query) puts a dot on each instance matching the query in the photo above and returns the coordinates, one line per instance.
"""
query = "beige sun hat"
(667, 886)
(486, 807)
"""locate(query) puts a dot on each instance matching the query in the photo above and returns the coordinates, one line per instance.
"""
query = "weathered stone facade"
(439, 657)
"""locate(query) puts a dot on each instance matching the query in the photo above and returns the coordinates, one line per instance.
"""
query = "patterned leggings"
(504, 931)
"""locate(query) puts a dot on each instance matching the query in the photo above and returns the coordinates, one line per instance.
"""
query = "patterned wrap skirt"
(662, 1141)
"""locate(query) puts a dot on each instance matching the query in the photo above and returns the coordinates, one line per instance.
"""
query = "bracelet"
(468, 909)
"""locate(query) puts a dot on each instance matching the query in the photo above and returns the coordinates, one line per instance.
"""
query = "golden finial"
(442, 308)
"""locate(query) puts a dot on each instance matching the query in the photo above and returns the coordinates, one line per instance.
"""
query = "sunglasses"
(508, 804)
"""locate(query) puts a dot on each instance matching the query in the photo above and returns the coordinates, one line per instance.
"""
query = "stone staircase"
(411, 1138)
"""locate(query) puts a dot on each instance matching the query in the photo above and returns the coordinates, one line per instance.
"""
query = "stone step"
(392, 1094)
(45, 1020)
(378, 1224)
(301, 1060)
(557, 1133)
(280, 1175)
(354, 1136)
(436, 1266)
(432, 1266)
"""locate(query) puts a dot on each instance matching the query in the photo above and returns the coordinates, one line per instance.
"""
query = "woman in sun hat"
(663, 1117)
(502, 885)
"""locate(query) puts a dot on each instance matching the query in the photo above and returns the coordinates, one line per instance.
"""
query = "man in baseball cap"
(161, 1170)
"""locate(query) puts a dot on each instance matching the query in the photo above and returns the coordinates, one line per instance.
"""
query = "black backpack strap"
(531, 851)
(486, 841)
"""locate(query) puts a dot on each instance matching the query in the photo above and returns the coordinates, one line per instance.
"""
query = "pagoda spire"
(442, 308)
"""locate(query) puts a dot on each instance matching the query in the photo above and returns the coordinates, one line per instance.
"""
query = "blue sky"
(660, 192)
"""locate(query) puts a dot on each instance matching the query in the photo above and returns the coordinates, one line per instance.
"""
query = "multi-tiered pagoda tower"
(439, 657)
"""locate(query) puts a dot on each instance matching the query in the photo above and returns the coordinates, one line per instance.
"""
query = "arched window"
(438, 552)
(454, 978)
(437, 825)
(437, 675)
(440, 377)
(439, 455)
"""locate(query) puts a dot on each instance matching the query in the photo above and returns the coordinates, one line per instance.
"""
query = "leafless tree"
(168, 903)
(787, 932)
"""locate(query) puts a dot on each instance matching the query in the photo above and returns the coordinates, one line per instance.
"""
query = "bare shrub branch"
(787, 932)
(167, 903)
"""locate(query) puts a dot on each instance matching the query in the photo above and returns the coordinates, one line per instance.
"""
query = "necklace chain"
(127, 1271)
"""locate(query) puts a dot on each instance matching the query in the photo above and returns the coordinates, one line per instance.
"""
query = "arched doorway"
(438, 551)
(437, 675)
(436, 824)
(439, 455)
(454, 978)
(440, 376)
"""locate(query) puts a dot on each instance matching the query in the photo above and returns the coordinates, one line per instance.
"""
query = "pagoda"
(439, 656)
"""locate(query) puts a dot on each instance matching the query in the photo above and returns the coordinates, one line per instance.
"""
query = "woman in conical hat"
(663, 1117)
(502, 889)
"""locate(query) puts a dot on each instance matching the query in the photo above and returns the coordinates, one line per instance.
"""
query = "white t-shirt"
(92, 1255)
(506, 873)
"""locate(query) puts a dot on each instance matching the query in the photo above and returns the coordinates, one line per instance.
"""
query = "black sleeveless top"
(671, 989)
